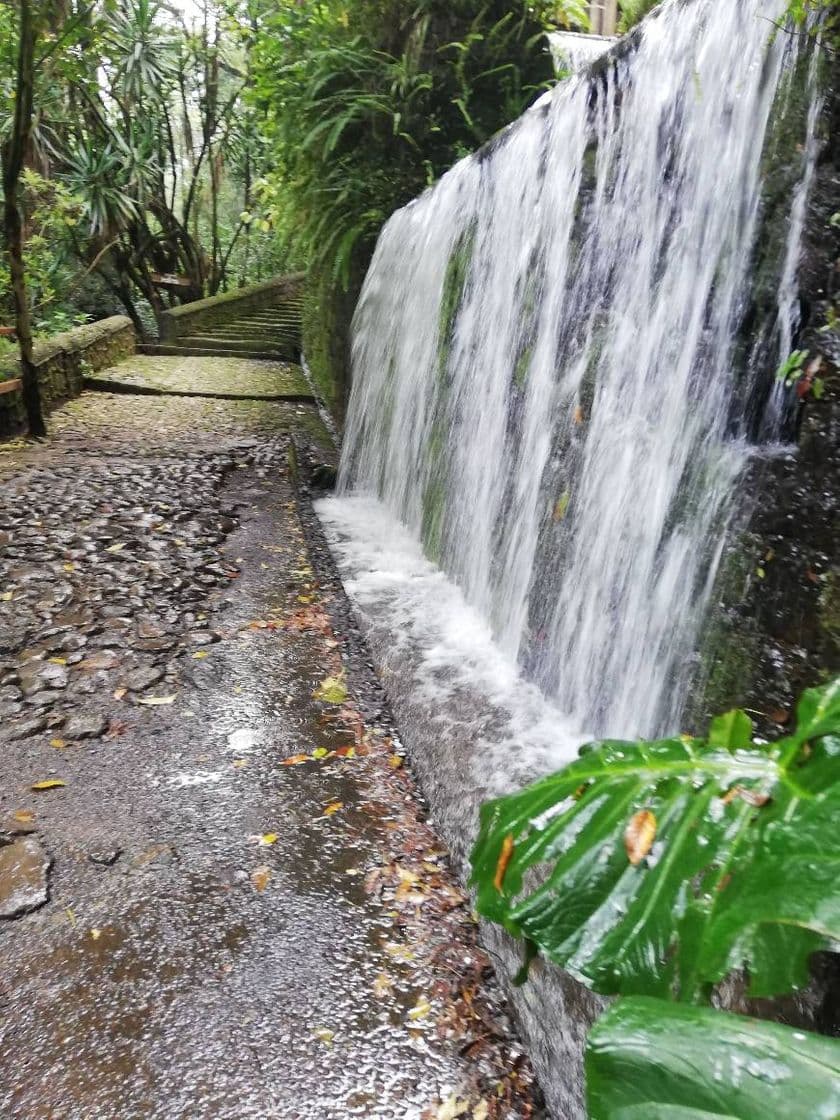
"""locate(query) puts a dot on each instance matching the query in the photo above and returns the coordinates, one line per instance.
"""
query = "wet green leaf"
(739, 867)
(649, 1060)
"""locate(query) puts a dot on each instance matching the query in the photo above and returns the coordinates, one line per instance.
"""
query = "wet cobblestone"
(248, 916)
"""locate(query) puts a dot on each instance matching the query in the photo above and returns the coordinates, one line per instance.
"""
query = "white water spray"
(548, 389)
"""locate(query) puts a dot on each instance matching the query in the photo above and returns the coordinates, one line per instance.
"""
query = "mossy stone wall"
(62, 363)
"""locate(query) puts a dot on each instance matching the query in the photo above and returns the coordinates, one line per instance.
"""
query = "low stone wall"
(215, 310)
(62, 362)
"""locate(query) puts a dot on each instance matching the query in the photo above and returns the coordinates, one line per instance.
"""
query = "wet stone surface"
(24, 866)
(248, 914)
(242, 377)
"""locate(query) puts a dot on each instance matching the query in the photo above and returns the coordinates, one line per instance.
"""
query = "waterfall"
(552, 390)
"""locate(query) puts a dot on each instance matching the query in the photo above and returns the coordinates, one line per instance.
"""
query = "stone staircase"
(263, 322)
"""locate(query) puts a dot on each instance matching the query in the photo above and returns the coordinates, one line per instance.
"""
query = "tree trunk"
(13, 157)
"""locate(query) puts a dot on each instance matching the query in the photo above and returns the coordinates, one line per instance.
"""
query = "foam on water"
(387, 575)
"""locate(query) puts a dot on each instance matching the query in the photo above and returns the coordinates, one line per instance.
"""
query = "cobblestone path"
(219, 897)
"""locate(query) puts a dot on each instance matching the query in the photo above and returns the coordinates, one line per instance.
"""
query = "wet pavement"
(240, 377)
(219, 896)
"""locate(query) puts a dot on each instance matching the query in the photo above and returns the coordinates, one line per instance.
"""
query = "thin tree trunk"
(13, 157)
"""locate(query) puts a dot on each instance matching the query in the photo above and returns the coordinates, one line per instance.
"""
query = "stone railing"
(62, 362)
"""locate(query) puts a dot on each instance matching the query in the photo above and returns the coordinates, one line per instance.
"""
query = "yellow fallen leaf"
(71, 917)
(320, 752)
(421, 1009)
(153, 700)
(240, 763)
(325, 1036)
(24, 816)
(333, 807)
(382, 985)
(267, 839)
(639, 835)
(48, 783)
(452, 1108)
(199, 655)
(57, 743)
(6, 596)
(481, 1111)
(399, 952)
(95, 934)
(333, 690)
(57, 660)
(260, 877)
(116, 547)
(119, 693)
(395, 761)
(69, 567)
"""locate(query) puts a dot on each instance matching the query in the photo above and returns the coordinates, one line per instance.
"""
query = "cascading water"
(545, 360)
(563, 360)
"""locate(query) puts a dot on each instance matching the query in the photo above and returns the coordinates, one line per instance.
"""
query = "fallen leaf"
(95, 934)
(503, 861)
(399, 952)
(295, 760)
(69, 567)
(333, 807)
(57, 743)
(779, 715)
(639, 835)
(578, 415)
(452, 1108)
(421, 1009)
(48, 783)
(260, 877)
(240, 763)
(116, 728)
(116, 547)
(154, 700)
(395, 761)
(481, 1111)
(320, 752)
(332, 690)
(267, 839)
(57, 660)
(325, 1036)
(6, 596)
(199, 655)
(119, 693)
(105, 659)
(24, 816)
(382, 985)
(346, 752)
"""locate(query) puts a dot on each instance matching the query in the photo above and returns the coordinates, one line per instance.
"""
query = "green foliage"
(647, 1060)
(632, 11)
(665, 865)
(367, 103)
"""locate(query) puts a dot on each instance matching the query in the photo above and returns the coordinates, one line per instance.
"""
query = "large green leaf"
(744, 868)
(649, 1060)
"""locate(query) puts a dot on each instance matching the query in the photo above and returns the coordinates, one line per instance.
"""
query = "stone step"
(278, 348)
(166, 349)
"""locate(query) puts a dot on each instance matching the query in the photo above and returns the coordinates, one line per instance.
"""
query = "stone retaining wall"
(62, 362)
(215, 310)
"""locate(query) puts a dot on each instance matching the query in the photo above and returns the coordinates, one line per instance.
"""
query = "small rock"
(86, 725)
(105, 857)
(24, 870)
(143, 678)
(27, 727)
